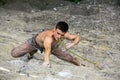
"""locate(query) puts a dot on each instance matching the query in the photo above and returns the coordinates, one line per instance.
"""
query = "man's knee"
(14, 53)
(66, 57)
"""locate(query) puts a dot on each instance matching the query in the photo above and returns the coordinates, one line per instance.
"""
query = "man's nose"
(59, 36)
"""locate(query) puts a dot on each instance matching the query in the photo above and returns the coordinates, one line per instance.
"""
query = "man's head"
(60, 29)
(63, 26)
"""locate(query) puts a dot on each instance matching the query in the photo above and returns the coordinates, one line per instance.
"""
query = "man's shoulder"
(47, 33)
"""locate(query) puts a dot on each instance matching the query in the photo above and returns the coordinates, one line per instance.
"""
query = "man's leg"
(30, 55)
(65, 56)
(22, 50)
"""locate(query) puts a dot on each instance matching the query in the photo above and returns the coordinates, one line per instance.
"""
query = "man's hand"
(46, 64)
(68, 45)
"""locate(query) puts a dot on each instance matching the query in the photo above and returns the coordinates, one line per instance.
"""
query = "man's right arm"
(47, 46)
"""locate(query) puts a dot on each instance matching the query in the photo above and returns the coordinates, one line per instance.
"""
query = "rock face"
(115, 2)
(98, 25)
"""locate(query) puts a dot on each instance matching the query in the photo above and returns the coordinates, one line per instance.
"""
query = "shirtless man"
(48, 41)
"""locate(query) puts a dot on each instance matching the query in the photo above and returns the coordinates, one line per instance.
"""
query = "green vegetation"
(76, 1)
(2, 2)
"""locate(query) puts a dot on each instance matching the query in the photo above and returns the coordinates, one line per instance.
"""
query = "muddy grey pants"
(27, 48)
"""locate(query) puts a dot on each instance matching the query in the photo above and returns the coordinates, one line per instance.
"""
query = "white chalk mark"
(4, 69)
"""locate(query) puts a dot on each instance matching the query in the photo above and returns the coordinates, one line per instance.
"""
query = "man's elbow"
(78, 39)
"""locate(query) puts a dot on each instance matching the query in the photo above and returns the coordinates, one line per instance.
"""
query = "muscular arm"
(47, 46)
(75, 38)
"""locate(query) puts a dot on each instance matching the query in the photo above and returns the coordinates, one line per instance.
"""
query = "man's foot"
(76, 62)
(27, 58)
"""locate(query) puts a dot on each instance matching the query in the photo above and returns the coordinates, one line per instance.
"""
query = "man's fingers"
(46, 65)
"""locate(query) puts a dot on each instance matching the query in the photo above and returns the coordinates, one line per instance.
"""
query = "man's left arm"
(75, 39)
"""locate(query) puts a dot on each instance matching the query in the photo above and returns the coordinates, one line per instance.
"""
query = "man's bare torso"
(41, 37)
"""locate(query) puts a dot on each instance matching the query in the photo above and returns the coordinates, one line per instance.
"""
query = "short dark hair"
(63, 26)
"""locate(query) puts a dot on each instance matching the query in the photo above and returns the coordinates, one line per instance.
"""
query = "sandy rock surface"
(97, 25)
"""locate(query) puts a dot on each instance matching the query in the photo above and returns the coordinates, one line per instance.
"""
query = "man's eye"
(60, 34)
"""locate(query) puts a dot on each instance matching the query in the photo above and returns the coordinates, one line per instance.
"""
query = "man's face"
(58, 34)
